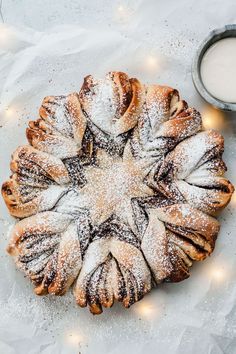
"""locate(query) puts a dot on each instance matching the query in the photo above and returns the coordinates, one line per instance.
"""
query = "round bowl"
(214, 36)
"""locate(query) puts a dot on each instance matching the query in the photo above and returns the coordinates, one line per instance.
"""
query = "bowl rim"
(213, 37)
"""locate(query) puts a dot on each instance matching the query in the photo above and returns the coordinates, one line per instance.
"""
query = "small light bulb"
(233, 199)
(5, 35)
(123, 14)
(145, 309)
(151, 63)
(151, 60)
(217, 274)
(74, 338)
(9, 112)
(212, 118)
(121, 8)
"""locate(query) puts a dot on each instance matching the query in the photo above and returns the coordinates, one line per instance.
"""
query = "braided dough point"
(117, 192)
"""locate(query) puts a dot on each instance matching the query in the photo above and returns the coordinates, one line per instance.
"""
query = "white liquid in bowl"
(218, 70)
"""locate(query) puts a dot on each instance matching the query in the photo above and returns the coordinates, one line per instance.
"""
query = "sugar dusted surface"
(110, 189)
(103, 106)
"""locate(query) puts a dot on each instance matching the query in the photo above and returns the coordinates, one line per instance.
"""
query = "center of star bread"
(110, 188)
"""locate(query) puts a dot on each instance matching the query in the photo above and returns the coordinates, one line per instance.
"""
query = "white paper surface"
(154, 41)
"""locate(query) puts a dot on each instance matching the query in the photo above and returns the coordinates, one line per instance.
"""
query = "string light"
(74, 338)
(217, 274)
(152, 62)
(213, 118)
(233, 199)
(121, 8)
(145, 309)
(123, 14)
(5, 35)
(9, 112)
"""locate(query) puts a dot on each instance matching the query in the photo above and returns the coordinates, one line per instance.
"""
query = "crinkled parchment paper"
(154, 41)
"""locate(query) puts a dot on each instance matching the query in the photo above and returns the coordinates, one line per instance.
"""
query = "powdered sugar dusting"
(104, 106)
(115, 214)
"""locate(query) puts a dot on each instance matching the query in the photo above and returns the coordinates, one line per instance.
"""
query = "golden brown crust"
(195, 167)
(127, 95)
(33, 173)
(54, 135)
(63, 266)
(131, 115)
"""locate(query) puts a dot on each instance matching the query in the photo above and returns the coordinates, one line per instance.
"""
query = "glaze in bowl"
(214, 36)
